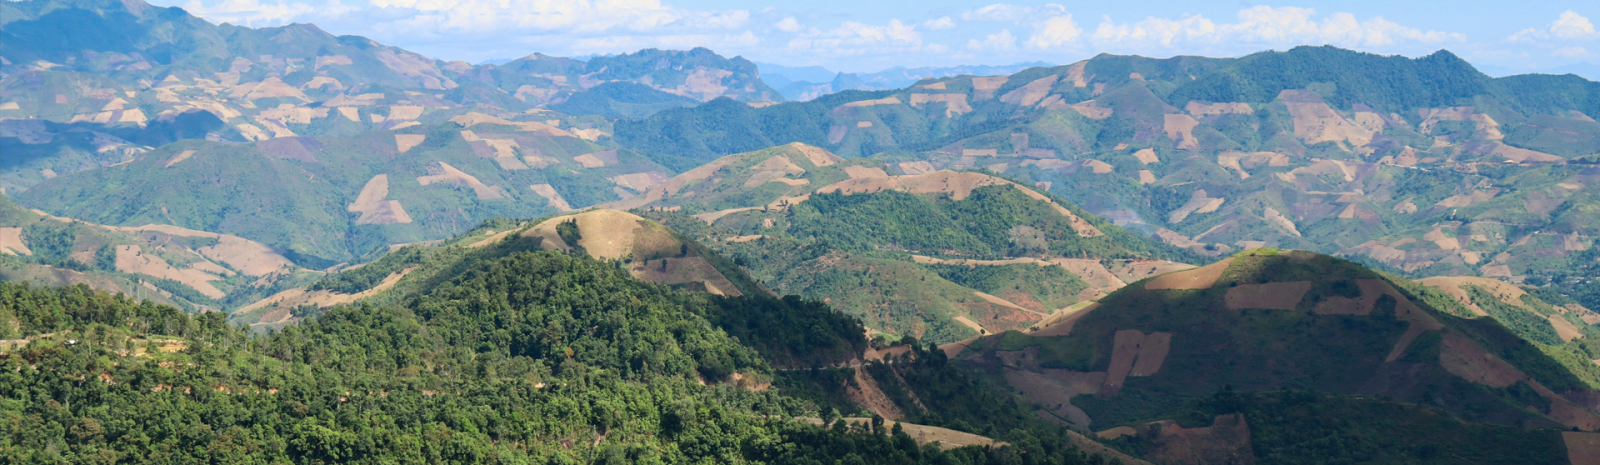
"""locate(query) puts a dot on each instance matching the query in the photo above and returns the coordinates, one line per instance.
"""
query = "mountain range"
(318, 247)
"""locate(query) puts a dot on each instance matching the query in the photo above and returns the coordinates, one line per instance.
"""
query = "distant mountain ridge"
(809, 82)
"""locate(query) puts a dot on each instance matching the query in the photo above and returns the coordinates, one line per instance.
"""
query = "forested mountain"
(512, 354)
(234, 244)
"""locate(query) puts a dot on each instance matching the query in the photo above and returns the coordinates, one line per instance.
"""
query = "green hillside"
(892, 249)
(509, 354)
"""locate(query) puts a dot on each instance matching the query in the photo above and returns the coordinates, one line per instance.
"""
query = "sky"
(1501, 37)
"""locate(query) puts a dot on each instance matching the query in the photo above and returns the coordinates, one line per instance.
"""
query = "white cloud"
(1055, 31)
(1569, 26)
(1002, 41)
(1004, 12)
(1570, 52)
(860, 39)
(788, 24)
(1572, 25)
(254, 13)
(939, 24)
(1267, 26)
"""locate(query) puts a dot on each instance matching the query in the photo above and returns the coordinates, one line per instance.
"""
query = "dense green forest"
(533, 357)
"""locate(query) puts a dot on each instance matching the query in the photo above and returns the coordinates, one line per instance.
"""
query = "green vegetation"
(1050, 286)
(622, 100)
(528, 358)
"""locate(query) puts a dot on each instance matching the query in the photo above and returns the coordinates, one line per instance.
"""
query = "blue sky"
(870, 36)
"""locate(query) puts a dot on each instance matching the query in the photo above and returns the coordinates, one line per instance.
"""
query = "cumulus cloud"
(788, 24)
(939, 24)
(1568, 26)
(1055, 31)
(1002, 41)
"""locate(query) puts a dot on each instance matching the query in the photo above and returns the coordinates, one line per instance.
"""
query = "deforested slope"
(1270, 321)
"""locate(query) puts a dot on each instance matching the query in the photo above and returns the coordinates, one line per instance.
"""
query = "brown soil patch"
(1125, 348)
(385, 212)
(1032, 92)
(1315, 122)
(1060, 323)
(1146, 156)
(1521, 155)
(1582, 448)
(1198, 202)
(867, 394)
(1146, 177)
(1132, 271)
(1099, 167)
(443, 172)
(1002, 302)
(677, 183)
(11, 242)
(1564, 328)
(1052, 396)
(1269, 296)
(891, 100)
(474, 118)
(1092, 272)
(1272, 216)
(267, 88)
(1231, 160)
(1198, 278)
(1117, 432)
(817, 155)
(972, 324)
(639, 181)
(916, 167)
(1152, 352)
(181, 156)
(131, 260)
(711, 218)
(1227, 440)
(683, 270)
(292, 298)
(947, 438)
(371, 195)
(737, 239)
(496, 237)
(862, 172)
(405, 142)
(953, 349)
(1180, 128)
(955, 104)
(606, 234)
(404, 112)
(589, 161)
(549, 193)
(1453, 285)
